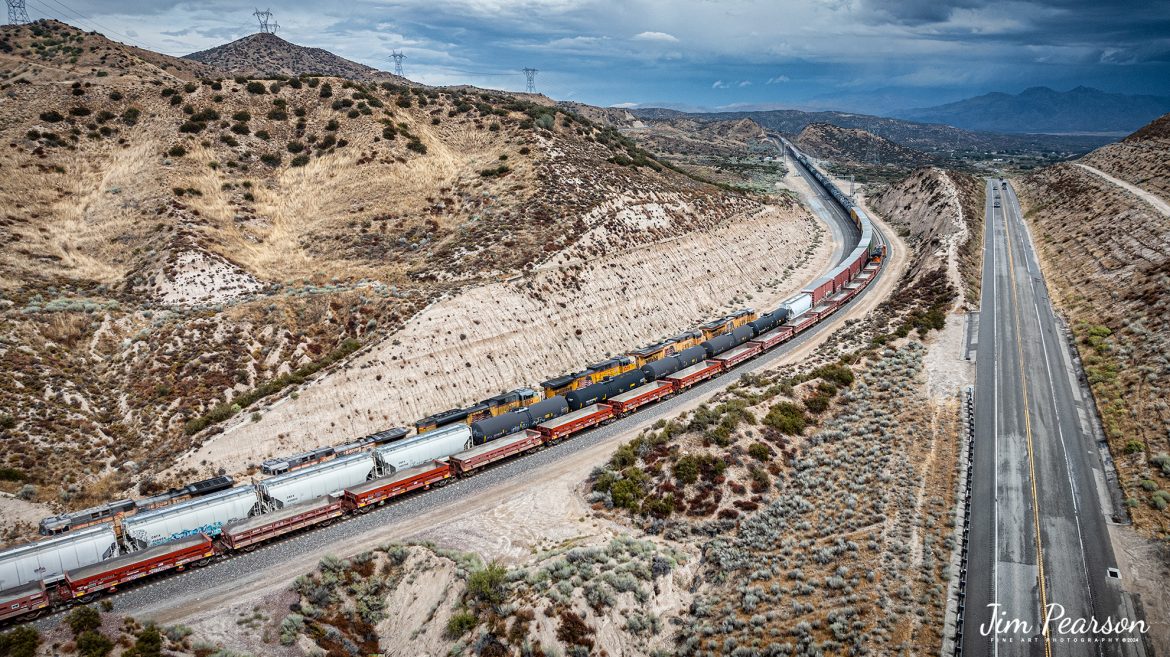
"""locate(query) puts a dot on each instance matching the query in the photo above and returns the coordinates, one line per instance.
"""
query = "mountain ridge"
(1041, 109)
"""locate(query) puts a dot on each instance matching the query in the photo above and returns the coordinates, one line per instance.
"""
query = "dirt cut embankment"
(508, 334)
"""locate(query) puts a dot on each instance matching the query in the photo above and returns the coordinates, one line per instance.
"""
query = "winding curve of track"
(170, 599)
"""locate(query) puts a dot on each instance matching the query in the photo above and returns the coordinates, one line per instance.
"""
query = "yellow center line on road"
(1027, 422)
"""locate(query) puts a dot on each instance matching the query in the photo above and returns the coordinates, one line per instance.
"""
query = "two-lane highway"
(1039, 547)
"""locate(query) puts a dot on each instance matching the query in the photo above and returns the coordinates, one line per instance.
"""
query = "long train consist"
(91, 556)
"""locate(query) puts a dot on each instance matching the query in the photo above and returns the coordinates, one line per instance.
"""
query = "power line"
(398, 57)
(17, 14)
(264, 17)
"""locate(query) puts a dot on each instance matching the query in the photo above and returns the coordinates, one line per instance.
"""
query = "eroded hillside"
(853, 145)
(178, 245)
(1106, 254)
(941, 213)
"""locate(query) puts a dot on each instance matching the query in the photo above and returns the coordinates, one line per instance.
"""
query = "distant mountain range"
(1040, 109)
(919, 136)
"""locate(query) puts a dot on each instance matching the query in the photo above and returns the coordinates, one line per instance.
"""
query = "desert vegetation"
(181, 242)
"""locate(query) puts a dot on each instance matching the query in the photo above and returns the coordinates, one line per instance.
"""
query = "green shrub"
(10, 474)
(495, 171)
(130, 116)
(271, 159)
(461, 623)
(295, 147)
(52, 116)
(290, 627)
(604, 482)
(786, 417)
(256, 88)
(326, 89)
(659, 507)
(760, 452)
(417, 146)
(242, 117)
(686, 469)
(83, 619)
(487, 585)
(20, 642)
(839, 375)
(300, 160)
(148, 643)
(177, 151)
(626, 494)
(624, 457)
(94, 644)
(192, 127)
(1134, 447)
(818, 403)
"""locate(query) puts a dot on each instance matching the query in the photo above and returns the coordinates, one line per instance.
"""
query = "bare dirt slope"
(941, 213)
(177, 245)
(1106, 253)
(573, 311)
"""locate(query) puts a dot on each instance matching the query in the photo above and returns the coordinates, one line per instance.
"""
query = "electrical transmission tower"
(530, 74)
(264, 17)
(17, 14)
(398, 57)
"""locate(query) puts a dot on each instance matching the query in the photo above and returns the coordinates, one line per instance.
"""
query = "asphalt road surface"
(194, 586)
(1039, 546)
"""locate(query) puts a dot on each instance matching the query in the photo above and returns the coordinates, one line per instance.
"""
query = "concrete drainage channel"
(957, 589)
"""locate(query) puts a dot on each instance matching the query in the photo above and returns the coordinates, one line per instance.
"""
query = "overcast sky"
(859, 55)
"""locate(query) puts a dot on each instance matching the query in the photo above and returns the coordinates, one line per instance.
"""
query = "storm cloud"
(862, 55)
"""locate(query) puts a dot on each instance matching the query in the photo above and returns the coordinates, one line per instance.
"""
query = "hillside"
(940, 212)
(51, 51)
(266, 55)
(1040, 109)
(1106, 254)
(852, 145)
(176, 247)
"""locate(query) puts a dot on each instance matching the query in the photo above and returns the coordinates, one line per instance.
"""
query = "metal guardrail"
(967, 424)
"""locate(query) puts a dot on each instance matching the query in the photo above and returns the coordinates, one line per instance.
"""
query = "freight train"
(214, 519)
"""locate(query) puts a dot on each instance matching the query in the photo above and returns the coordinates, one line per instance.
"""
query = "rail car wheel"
(202, 562)
(328, 522)
(86, 599)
